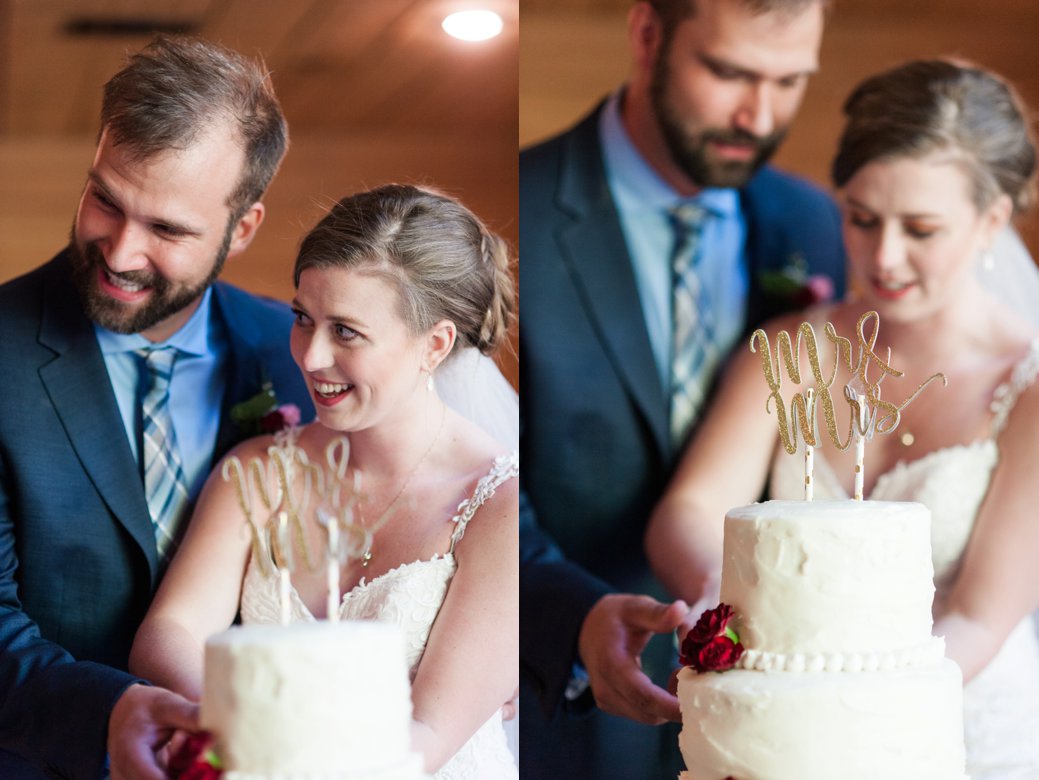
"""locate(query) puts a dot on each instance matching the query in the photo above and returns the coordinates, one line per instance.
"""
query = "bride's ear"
(996, 217)
(439, 341)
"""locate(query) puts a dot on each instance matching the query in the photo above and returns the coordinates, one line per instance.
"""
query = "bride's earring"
(988, 260)
(429, 381)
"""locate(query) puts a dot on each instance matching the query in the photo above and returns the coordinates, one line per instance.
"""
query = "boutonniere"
(793, 287)
(196, 759)
(712, 645)
(263, 414)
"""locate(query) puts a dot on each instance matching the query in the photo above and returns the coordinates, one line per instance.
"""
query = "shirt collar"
(634, 182)
(191, 339)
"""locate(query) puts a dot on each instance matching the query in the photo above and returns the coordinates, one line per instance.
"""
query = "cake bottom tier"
(905, 724)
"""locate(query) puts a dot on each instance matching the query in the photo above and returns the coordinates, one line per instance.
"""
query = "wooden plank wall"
(572, 53)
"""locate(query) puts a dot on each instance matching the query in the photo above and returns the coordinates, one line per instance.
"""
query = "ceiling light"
(472, 25)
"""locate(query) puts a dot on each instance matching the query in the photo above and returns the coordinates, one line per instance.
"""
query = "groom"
(669, 168)
(103, 445)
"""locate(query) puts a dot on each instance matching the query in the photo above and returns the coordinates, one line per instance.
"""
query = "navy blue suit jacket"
(77, 549)
(594, 416)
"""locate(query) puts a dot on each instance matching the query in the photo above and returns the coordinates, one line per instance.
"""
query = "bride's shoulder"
(472, 445)
(1015, 402)
(492, 479)
(495, 473)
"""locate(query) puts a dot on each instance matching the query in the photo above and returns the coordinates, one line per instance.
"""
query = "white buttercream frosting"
(930, 652)
(904, 724)
(311, 701)
(829, 577)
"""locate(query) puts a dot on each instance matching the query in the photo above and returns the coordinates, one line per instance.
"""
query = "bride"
(389, 285)
(934, 159)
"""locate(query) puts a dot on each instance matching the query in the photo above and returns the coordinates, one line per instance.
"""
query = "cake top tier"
(309, 699)
(902, 513)
(826, 577)
(370, 634)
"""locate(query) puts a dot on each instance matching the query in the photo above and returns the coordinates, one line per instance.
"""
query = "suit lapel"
(757, 249)
(594, 249)
(244, 371)
(77, 383)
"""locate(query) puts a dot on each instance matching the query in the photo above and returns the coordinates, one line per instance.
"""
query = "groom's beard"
(690, 148)
(167, 298)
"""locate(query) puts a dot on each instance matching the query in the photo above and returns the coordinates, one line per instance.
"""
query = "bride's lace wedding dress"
(1001, 704)
(410, 596)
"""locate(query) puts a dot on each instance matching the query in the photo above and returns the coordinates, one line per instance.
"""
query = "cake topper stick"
(283, 557)
(809, 449)
(347, 538)
(332, 610)
(860, 449)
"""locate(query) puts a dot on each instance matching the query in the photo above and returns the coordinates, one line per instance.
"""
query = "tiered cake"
(840, 676)
(314, 701)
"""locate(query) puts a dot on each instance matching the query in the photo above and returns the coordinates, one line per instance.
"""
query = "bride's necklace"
(366, 558)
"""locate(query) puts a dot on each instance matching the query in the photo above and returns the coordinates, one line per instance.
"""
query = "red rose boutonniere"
(283, 416)
(712, 645)
(196, 759)
(793, 288)
(263, 414)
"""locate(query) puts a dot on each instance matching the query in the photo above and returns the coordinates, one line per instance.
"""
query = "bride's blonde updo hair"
(928, 106)
(441, 258)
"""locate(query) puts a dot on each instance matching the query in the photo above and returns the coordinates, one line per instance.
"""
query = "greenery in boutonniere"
(792, 287)
(263, 414)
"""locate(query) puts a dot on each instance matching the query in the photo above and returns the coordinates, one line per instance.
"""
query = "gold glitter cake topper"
(285, 483)
(870, 414)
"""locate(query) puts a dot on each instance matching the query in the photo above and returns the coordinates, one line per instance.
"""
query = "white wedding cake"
(310, 701)
(839, 675)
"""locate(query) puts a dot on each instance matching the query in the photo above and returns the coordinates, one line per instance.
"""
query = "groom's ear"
(439, 341)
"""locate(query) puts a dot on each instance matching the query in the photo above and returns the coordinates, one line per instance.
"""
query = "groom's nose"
(126, 249)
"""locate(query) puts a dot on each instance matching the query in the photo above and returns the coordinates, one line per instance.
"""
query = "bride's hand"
(610, 644)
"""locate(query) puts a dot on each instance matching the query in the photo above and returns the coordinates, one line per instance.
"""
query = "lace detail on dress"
(505, 467)
(409, 595)
(1006, 395)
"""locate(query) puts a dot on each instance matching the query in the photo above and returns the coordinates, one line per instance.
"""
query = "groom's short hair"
(673, 12)
(178, 88)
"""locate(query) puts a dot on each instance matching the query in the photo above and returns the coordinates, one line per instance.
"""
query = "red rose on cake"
(195, 760)
(712, 645)
(712, 623)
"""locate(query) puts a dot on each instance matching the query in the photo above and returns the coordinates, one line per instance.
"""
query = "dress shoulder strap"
(1021, 378)
(505, 467)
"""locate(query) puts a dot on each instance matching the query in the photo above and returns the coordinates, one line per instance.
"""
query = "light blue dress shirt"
(644, 201)
(196, 388)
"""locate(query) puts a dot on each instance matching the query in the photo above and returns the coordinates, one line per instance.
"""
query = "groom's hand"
(610, 644)
(142, 722)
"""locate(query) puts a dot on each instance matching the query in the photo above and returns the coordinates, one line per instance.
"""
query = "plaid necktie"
(165, 486)
(694, 349)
